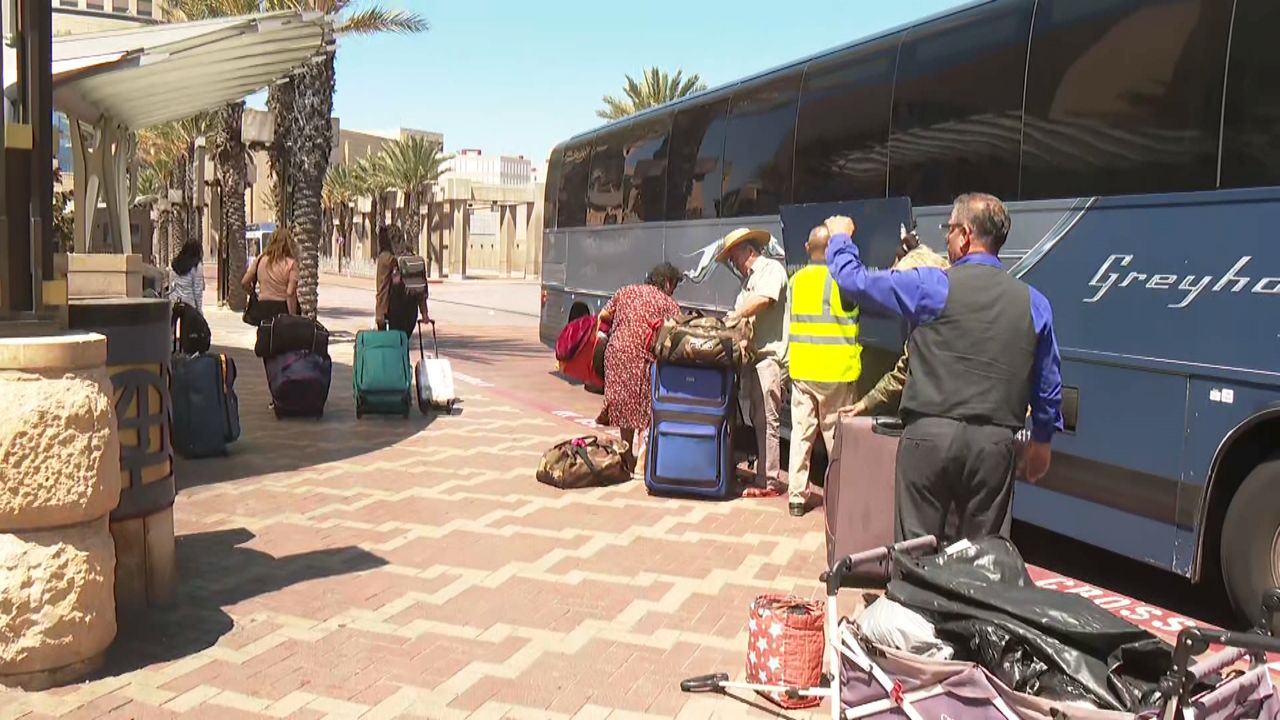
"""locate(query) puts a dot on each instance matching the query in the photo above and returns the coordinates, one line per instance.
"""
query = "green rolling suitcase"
(382, 379)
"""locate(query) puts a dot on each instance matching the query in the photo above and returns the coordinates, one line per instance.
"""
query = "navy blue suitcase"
(690, 440)
(206, 411)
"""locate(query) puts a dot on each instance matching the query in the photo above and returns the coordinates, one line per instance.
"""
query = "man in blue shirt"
(982, 350)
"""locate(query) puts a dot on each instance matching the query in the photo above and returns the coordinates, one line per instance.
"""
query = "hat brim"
(759, 238)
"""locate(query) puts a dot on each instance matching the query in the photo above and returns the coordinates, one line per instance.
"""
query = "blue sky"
(515, 78)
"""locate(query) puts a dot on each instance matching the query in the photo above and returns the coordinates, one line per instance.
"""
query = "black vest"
(974, 361)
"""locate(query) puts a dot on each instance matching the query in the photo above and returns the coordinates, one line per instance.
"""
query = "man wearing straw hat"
(763, 301)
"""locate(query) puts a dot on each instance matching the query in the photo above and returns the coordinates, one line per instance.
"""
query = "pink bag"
(784, 646)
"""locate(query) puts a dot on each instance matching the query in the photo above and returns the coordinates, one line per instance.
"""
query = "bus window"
(759, 144)
(843, 126)
(604, 184)
(551, 189)
(571, 203)
(957, 105)
(1250, 154)
(1123, 96)
(644, 173)
(694, 171)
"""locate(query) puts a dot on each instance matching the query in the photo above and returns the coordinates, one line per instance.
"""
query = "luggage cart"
(865, 680)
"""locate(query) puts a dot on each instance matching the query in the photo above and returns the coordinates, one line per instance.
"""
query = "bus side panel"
(555, 257)
(1119, 467)
(606, 258)
(685, 243)
(1175, 286)
(1216, 407)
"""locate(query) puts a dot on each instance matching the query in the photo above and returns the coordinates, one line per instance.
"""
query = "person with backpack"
(399, 299)
(187, 283)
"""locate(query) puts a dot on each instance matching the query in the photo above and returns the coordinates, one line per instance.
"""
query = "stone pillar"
(506, 238)
(59, 480)
(100, 275)
(139, 345)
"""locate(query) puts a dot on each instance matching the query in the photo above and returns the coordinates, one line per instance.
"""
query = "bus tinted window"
(1250, 153)
(604, 184)
(843, 127)
(644, 171)
(1123, 96)
(758, 146)
(551, 191)
(694, 175)
(957, 105)
(571, 203)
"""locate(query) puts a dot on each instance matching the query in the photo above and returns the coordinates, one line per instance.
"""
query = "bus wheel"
(1251, 540)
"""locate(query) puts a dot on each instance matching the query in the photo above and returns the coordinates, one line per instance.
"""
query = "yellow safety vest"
(823, 337)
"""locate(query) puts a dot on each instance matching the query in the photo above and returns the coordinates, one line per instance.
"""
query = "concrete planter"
(59, 481)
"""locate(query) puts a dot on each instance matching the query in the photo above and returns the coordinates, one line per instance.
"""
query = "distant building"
(474, 165)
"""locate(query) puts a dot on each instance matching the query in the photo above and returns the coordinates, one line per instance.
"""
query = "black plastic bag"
(1053, 644)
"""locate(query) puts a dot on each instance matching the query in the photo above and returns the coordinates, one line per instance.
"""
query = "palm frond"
(377, 19)
(654, 87)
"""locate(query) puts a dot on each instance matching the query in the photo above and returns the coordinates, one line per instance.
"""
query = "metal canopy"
(147, 76)
(113, 83)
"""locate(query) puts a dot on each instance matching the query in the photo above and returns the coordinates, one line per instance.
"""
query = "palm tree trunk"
(413, 232)
(313, 106)
(280, 102)
(231, 175)
(161, 244)
(178, 223)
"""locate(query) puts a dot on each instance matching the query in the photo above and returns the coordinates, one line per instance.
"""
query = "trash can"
(139, 344)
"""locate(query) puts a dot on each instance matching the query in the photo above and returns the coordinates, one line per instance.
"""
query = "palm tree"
(228, 147)
(301, 110)
(370, 179)
(411, 165)
(341, 189)
(655, 88)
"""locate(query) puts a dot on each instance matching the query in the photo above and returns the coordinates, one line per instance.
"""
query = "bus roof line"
(902, 27)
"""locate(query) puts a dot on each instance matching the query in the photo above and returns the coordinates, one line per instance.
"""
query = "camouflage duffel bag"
(701, 341)
(584, 462)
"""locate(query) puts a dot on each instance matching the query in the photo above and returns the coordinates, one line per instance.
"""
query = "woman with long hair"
(276, 274)
(187, 283)
(631, 313)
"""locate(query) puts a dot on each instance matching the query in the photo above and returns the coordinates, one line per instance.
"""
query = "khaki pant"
(815, 408)
(764, 383)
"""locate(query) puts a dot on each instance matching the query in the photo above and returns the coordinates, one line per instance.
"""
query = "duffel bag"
(785, 645)
(701, 341)
(287, 333)
(584, 462)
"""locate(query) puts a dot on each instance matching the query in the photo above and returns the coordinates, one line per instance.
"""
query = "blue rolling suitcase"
(690, 440)
(206, 411)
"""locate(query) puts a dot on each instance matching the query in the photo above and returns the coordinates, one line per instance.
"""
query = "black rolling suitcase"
(299, 383)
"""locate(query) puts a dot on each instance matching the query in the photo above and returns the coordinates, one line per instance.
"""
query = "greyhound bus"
(1137, 143)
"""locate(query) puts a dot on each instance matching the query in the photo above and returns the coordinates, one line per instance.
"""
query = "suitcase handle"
(435, 343)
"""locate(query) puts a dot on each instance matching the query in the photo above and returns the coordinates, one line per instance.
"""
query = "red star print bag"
(784, 646)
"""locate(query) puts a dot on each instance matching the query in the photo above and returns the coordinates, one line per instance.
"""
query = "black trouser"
(946, 464)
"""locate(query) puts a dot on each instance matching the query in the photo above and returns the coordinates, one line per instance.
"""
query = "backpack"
(410, 273)
(191, 330)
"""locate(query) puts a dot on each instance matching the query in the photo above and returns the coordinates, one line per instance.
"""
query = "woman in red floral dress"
(632, 312)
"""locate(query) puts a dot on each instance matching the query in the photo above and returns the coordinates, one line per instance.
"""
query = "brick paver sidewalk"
(389, 567)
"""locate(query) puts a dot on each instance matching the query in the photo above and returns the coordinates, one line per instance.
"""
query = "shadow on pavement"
(215, 572)
(490, 348)
(268, 445)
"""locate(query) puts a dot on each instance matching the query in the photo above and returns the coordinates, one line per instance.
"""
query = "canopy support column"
(103, 155)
